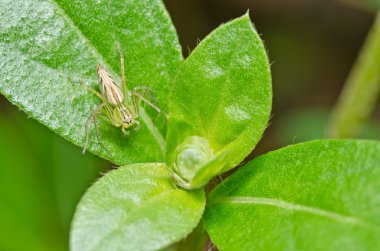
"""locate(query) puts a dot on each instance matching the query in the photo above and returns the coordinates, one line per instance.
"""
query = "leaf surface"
(46, 45)
(222, 93)
(136, 207)
(320, 195)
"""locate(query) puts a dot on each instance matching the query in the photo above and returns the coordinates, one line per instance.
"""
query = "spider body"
(120, 107)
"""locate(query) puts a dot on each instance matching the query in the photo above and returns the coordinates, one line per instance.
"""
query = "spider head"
(123, 116)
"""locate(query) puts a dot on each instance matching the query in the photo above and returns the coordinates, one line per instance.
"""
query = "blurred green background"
(312, 45)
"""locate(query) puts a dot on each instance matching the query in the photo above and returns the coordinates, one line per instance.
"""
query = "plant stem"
(358, 97)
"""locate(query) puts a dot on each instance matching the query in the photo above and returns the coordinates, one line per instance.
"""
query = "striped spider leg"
(139, 93)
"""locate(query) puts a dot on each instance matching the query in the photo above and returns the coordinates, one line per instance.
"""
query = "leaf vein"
(296, 207)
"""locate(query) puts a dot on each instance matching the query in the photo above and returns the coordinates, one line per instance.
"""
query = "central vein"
(295, 207)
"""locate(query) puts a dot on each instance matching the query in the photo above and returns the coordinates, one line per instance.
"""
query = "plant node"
(191, 155)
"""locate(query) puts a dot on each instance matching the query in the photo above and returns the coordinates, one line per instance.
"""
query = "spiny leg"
(135, 103)
(92, 90)
(146, 90)
(138, 97)
(89, 122)
(147, 93)
(87, 88)
(137, 125)
(125, 131)
(98, 137)
(122, 68)
(134, 91)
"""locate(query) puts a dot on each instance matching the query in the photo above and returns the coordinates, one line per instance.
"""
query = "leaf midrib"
(148, 122)
(296, 207)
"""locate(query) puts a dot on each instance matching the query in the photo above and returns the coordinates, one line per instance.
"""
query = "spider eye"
(128, 119)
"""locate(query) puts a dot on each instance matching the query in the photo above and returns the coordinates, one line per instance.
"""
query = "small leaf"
(45, 44)
(321, 195)
(222, 93)
(136, 207)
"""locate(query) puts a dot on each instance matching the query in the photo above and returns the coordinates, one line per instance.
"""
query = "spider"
(120, 107)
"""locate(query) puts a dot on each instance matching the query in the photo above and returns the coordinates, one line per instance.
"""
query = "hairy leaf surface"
(321, 195)
(222, 93)
(46, 45)
(136, 207)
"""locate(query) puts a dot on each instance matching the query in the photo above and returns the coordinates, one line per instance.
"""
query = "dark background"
(312, 45)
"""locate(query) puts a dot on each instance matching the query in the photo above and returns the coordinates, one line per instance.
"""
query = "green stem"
(358, 97)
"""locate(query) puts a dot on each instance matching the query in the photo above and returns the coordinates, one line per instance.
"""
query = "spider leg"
(138, 97)
(98, 137)
(137, 127)
(135, 103)
(89, 122)
(98, 94)
(125, 131)
(122, 68)
(146, 91)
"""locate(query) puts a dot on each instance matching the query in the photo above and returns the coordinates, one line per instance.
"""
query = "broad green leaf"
(221, 93)
(45, 45)
(321, 195)
(136, 207)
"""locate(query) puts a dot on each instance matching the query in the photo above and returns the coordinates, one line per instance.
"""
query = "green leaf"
(222, 93)
(45, 44)
(136, 207)
(321, 195)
